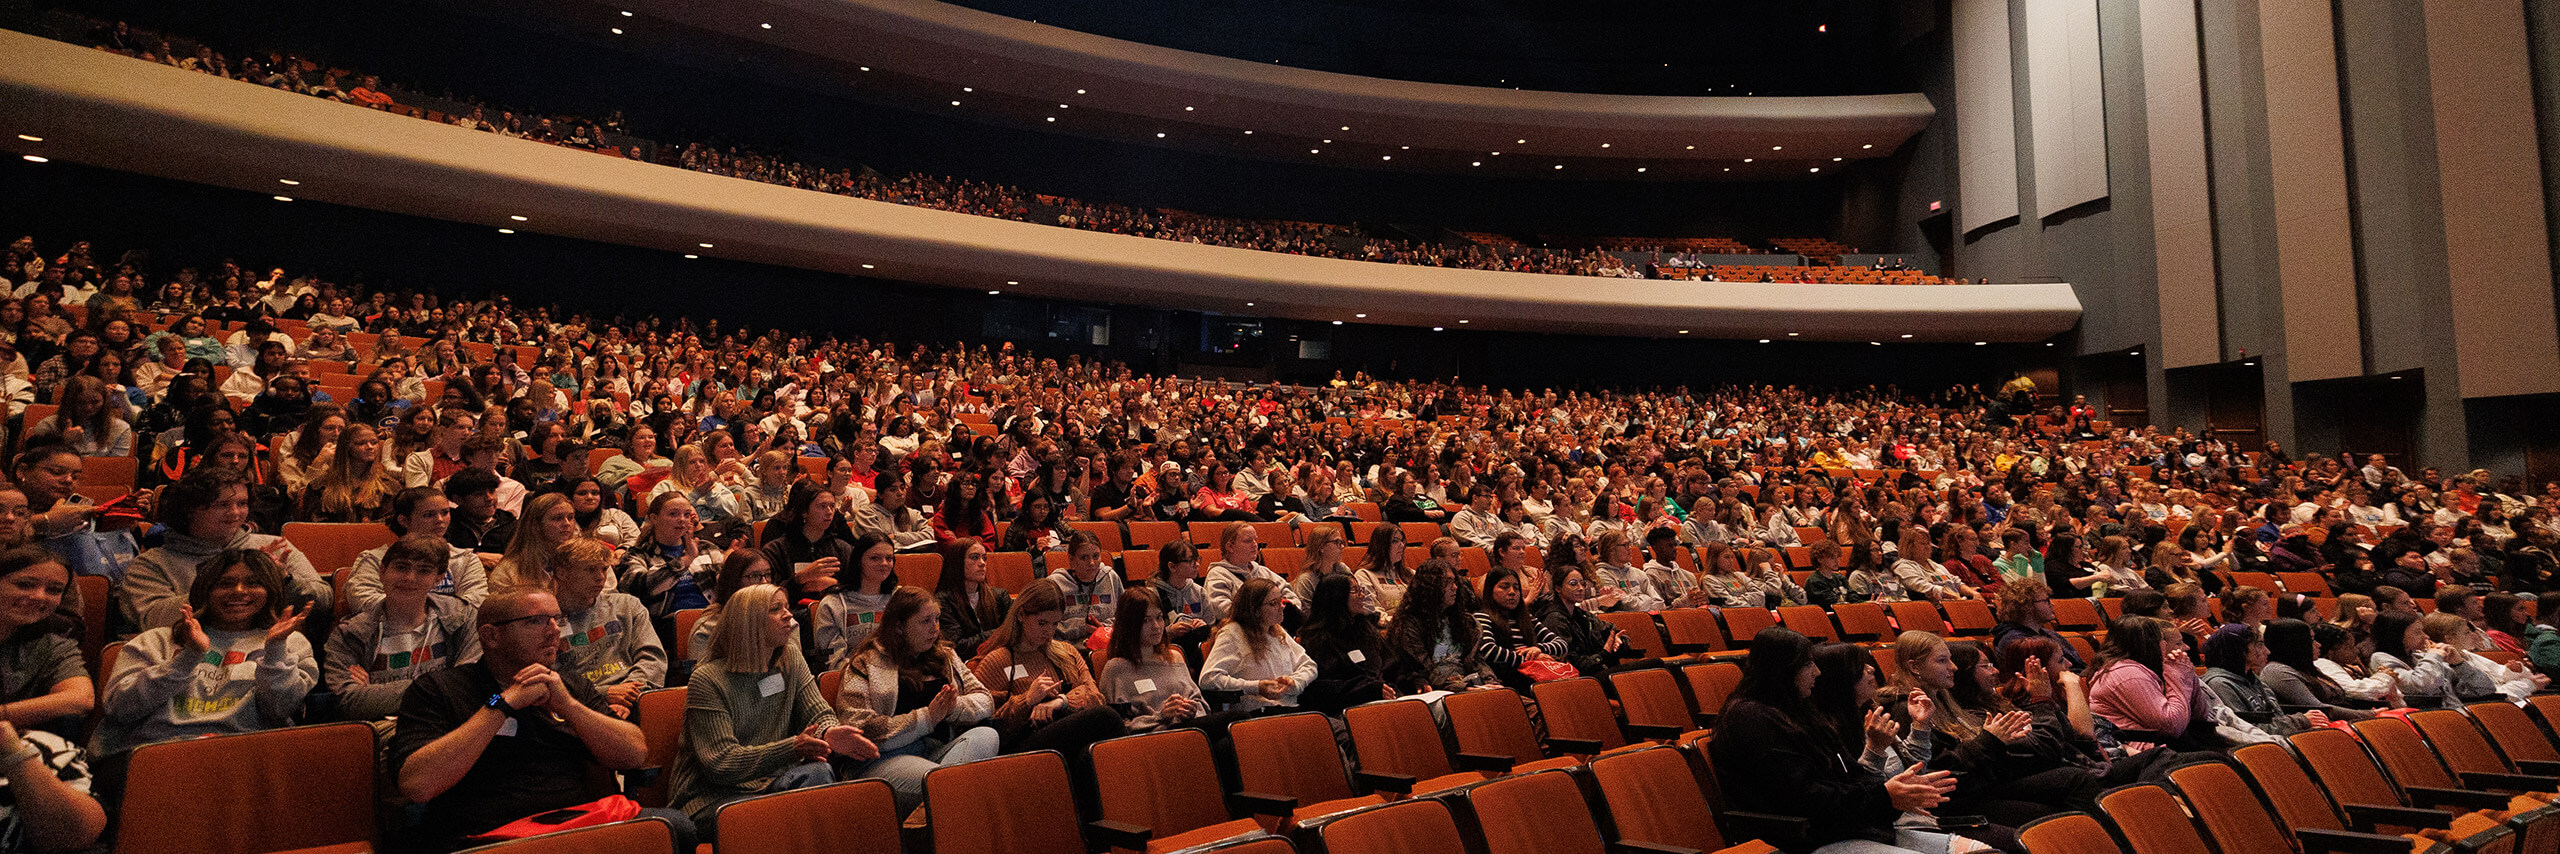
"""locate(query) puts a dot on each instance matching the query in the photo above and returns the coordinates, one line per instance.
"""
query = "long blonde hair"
(743, 629)
(348, 484)
(528, 558)
(1952, 719)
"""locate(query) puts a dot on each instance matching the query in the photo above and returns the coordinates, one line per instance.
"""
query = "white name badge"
(1146, 685)
(1020, 672)
(770, 685)
(507, 728)
(246, 670)
(1357, 656)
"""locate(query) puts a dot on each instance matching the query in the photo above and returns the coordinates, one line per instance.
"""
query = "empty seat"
(1420, 826)
(1808, 620)
(331, 546)
(2068, 833)
(1651, 701)
(1296, 756)
(660, 717)
(2238, 822)
(1862, 621)
(1653, 796)
(1541, 813)
(1710, 684)
(1578, 710)
(188, 797)
(2515, 732)
(1919, 617)
(1493, 723)
(1400, 737)
(1167, 782)
(1006, 805)
(2152, 820)
(852, 817)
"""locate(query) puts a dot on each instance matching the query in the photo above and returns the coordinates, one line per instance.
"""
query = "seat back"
(660, 716)
(1418, 826)
(1165, 781)
(1292, 756)
(1541, 813)
(1970, 617)
(2076, 614)
(1652, 796)
(2459, 742)
(2339, 764)
(184, 797)
(2306, 583)
(1148, 535)
(2515, 732)
(2403, 754)
(683, 641)
(2153, 821)
(1919, 617)
(1687, 626)
(637, 836)
(1107, 532)
(1494, 722)
(1863, 619)
(2068, 833)
(1710, 684)
(332, 546)
(1010, 570)
(1577, 708)
(918, 570)
(1810, 621)
(2231, 813)
(1650, 697)
(1003, 805)
(1741, 624)
(1641, 632)
(1397, 737)
(1418, 535)
(1275, 534)
(852, 817)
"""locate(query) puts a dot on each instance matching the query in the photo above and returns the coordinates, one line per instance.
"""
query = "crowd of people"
(771, 480)
(295, 73)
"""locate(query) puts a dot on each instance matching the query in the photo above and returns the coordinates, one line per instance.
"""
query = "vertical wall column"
(2315, 256)
(2497, 265)
(2181, 189)
(2067, 103)
(1986, 118)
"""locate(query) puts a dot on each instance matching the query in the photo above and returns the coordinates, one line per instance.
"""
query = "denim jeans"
(905, 767)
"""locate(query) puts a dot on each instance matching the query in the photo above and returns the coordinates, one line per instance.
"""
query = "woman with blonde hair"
(353, 486)
(907, 688)
(549, 521)
(754, 721)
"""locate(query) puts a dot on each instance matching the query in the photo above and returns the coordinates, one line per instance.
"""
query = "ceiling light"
(703, 245)
(1386, 157)
(1520, 142)
(1814, 169)
(1359, 315)
(1728, 169)
(866, 266)
(626, 14)
(1065, 107)
(1159, 134)
(1777, 148)
(1835, 160)
(1313, 150)
(1868, 145)
(1328, 142)
(1248, 305)
(1337, 323)
(1053, 118)
(1693, 148)
(1011, 282)
(1906, 335)
(1794, 334)
(288, 182)
(506, 231)
(1640, 168)
(1079, 91)
(955, 103)
(1559, 165)
(993, 293)
(768, 26)
(968, 89)
(866, 68)
(617, 31)
(30, 137)
(1877, 343)
(1439, 329)
(282, 198)
(1497, 154)
(516, 217)
(1189, 109)
(1822, 28)
(1763, 340)
(1248, 133)
(1404, 148)
(1475, 163)
(1604, 145)
(1346, 127)
(1746, 160)
(1982, 343)
(1462, 321)
(691, 255)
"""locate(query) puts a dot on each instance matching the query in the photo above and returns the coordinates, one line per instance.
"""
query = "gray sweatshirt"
(1100, 598)
(448, 637)
(239, 685)
(464, 578)
(612, 643)
(155, 585)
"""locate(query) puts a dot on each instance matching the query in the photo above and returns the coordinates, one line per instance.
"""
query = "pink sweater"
(2130, 696)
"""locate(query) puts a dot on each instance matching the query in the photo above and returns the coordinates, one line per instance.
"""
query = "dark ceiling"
(1635, 47)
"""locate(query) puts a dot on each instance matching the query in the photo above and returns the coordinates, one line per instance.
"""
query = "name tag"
(770, 685)
(1357, 656)
(508, 727)
(244, 671)
(1146, 685)
(1020, 672)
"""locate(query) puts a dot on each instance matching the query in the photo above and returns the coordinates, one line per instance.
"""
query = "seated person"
(44, 684)
(242, 666)
(410, 632)
(484, 744)
(47, 784)
(754, 720)
(1090, 588)
(914, 696)
(478, 524)
(419, 510)
(208, 513)
(609, 641)
(889, 517)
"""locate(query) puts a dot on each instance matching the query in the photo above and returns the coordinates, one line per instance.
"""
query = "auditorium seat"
(1295, 756)
(1494, 723)
(1651, 700)
(852, 817)
(1539, 813)
(195, 796)
(1710, 684)
(1419, 826)
(1167, 783)
(1401, 737)
(1652, 796)
(332, 546)
(660, 716)
(2068, 833)
(2515, 732)
(1578, 710)
(1641, 632)
(1005, 805)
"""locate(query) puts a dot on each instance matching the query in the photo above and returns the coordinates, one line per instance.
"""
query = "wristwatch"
(498, 701)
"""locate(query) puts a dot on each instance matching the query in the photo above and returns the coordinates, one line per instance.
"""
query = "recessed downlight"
(288, 182)
(867, 267)
(281, 198)
(516, 217)
(703, 245)
(506, 231)
(30, 137)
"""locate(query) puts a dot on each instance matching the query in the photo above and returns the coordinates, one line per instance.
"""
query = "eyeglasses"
(556, 621)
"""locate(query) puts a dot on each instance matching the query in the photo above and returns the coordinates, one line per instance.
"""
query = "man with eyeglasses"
(507, 737)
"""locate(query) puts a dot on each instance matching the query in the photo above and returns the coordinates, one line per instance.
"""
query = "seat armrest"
(1381, 781)
(1574, 746)
(2461, 798)
(2539, 767)
(1691, 648)
(1259, 804)
(2366, 817)
(1629, 846)
(1783, 831)
(2316, 841)
(2510, 782)
(1485, 763)
(1654, 732)
(1120, 835)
